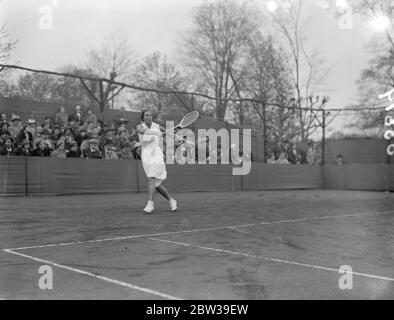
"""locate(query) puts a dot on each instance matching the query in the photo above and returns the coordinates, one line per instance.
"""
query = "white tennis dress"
(152, 155)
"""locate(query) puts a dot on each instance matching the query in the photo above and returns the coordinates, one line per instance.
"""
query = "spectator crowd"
(293, 153)
(82, 135)
(78, 135)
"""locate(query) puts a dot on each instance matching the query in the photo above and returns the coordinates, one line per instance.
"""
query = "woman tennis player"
(153, 160)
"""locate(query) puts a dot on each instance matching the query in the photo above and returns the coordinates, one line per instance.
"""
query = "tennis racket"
(186, 121)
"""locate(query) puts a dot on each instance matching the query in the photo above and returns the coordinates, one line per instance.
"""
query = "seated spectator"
(293, 154)
(95, 133)
(135, 146)
(247, 156)
(122, 131)
(47, 125)
(271, 159)
(74, 151)
(25, 150)
(303, 148)
(3, 118)
(61, 117)
(339, 160)
(109, 135)
(45, 136)
(235, 155)
(60, 151)
(8, 149)
(75, 128)
(181, 154)
(4, 126)
(123, 140)
(126, 151)
(38, 132)
(4, 134)
(31, 124)
(93, 151)
(76, 116)
(313, 154)
(110, 151)
(68, 138)
(81, 136)
(37, 137)
(15, 127)
(24, 134)
(282, 159)
(89, 128)
(136, 150)
(42, 150)
(90, 117)
(55, 135)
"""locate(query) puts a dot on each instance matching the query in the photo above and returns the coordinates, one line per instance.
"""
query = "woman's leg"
(163, 191)
(151, 189)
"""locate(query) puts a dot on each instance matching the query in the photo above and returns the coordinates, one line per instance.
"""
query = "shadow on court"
(235, 245)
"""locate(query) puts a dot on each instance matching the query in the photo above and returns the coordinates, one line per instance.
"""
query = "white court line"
(198, 230)
(92, 275)
(273, 259)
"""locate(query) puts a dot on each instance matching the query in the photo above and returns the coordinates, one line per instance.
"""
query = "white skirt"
(153, 163)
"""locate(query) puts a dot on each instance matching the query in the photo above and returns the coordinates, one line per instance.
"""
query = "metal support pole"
(323, 138)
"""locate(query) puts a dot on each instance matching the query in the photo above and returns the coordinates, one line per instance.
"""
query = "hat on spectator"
(15, 117)
(45, 131)
(93, 141)
(78, 107)
(31, 121)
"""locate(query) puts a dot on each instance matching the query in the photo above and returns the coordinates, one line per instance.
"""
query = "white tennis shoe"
(173, 205)
(149, 207)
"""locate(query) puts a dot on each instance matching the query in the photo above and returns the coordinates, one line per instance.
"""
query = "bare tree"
(155, 72)
(114, 60)
(378, 77)
(6, 44)
(307, 67)
(214, 49)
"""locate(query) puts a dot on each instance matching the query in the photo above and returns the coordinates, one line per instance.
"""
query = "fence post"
(26, 178)
(136, 163)
(323, 138)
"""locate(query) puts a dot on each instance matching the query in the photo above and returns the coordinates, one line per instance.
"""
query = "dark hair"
(339, 156)
(143, 113)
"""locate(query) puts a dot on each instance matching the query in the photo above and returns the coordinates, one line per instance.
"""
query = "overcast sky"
(155, 25)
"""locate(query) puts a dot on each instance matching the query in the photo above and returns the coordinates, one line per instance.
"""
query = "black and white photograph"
(219, 151)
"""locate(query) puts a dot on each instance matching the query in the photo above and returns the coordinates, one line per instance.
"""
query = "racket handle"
(167, 131)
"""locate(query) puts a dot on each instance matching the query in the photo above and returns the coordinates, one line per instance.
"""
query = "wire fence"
(280, 130)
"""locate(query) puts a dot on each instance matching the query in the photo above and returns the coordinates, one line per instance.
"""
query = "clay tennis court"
(219, 245)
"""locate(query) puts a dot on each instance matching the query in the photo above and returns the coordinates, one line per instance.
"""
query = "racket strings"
(189, 119)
